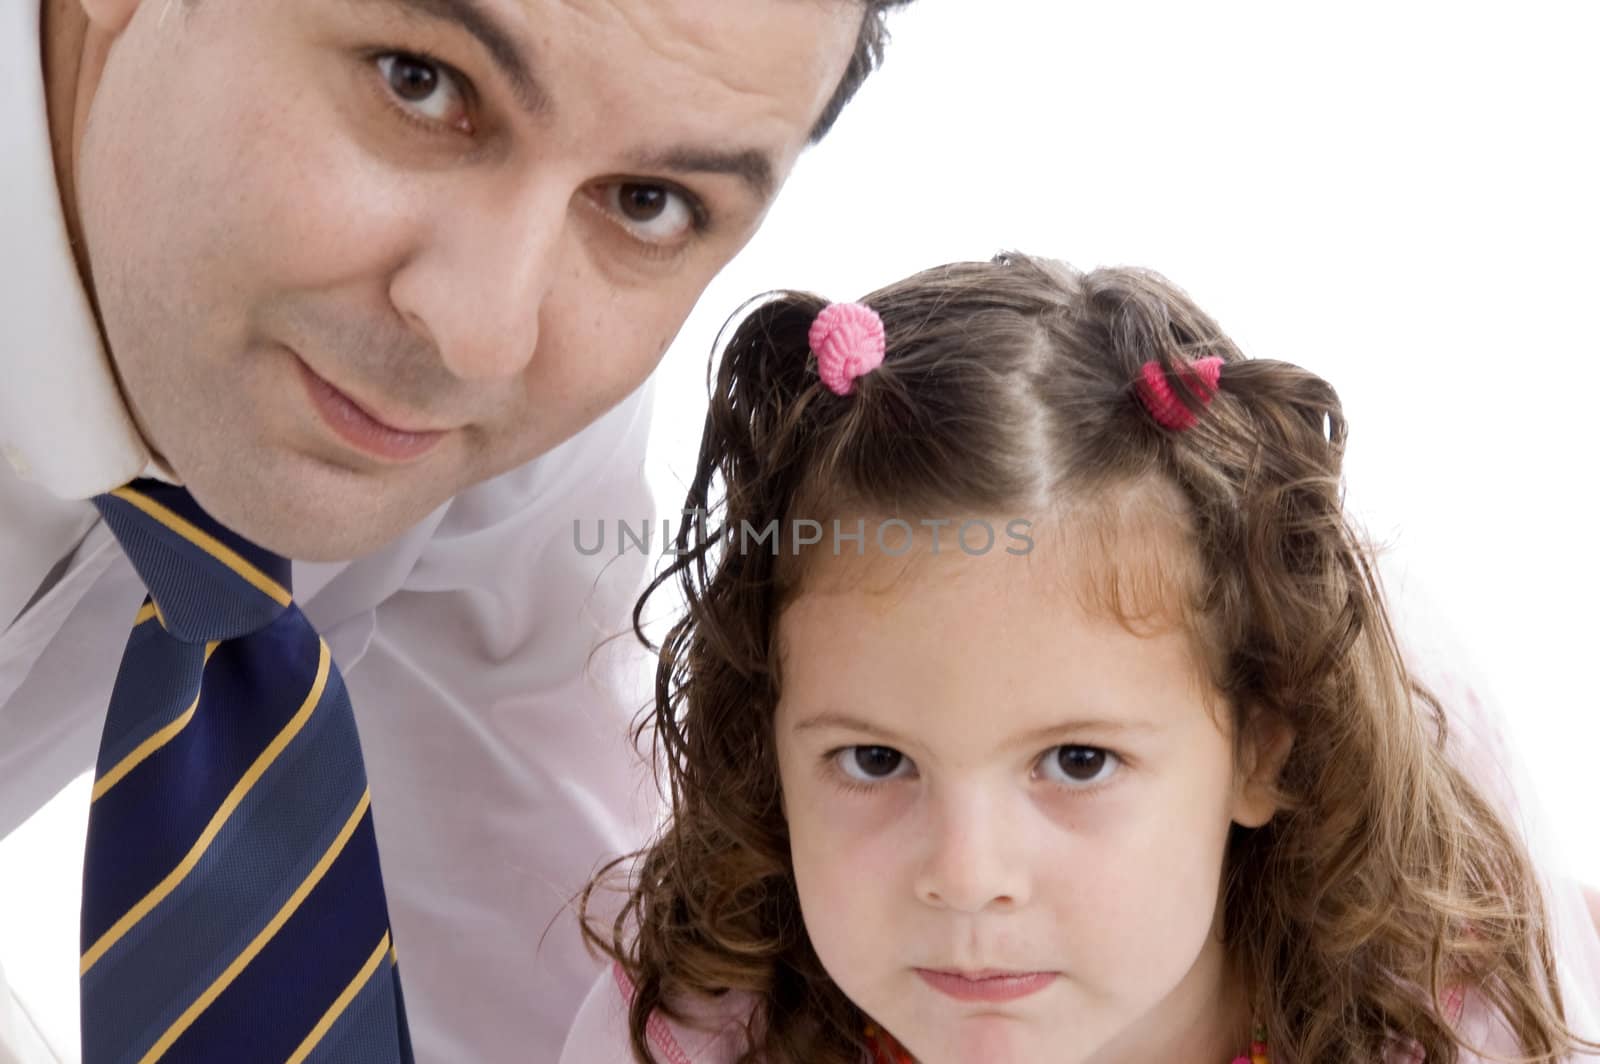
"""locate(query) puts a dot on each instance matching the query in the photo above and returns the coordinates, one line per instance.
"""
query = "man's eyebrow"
(508, 51)
(751, 165)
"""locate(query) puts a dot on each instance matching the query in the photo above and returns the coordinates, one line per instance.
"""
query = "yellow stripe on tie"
(342, 1002)
(257, 944)
(147, 611)
(208, 543)
(156, 741)
(219, 818)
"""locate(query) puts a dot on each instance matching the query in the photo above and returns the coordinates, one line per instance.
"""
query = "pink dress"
(600, 1033)
(1477, 743)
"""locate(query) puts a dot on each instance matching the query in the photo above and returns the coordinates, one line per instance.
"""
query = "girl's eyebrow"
(1094, 725)
(843, 722)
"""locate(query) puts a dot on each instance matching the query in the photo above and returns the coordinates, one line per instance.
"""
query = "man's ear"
(1264, 749)
(113, 16)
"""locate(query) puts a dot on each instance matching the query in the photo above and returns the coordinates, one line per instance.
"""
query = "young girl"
(1035, 702)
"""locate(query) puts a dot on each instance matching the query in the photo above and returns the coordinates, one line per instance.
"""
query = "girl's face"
(1007, 812)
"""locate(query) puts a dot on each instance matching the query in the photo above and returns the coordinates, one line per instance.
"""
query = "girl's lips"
(986, 986)
(360, 429)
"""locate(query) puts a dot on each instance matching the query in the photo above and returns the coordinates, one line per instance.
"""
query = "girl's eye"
(426, 89)
(651, 213)
(872, 764)
(1079, 766)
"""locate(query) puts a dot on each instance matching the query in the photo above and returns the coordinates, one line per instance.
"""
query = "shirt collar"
(63, 423)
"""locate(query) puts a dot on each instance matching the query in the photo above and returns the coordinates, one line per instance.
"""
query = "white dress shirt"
(498, 752)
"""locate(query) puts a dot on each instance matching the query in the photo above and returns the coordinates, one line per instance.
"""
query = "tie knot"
(207, 583)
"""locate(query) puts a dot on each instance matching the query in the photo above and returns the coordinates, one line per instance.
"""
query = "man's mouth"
(363, 429)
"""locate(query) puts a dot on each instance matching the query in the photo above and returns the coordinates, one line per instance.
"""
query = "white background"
(1400, 196)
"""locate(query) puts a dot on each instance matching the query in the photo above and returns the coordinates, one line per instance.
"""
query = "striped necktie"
(233, 908)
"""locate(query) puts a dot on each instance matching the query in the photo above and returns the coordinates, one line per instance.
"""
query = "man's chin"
(317, 512)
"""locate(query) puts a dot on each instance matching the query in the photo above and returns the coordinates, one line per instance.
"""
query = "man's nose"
(974, 861)
(479, 278)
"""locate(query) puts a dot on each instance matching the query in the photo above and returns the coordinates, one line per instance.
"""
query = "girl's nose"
(974, 860)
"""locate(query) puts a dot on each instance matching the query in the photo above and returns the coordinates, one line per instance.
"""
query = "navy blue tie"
(233, 907)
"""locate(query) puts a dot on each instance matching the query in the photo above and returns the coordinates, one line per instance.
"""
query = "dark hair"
(1385, 880)
(870, 43)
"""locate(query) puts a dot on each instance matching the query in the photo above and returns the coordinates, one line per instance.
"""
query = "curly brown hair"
(1385, 880)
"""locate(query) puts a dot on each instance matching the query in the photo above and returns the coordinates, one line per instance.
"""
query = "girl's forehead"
(1127, 555)
(1085, 623)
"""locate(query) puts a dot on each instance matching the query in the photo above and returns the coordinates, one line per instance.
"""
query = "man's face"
(352, 256)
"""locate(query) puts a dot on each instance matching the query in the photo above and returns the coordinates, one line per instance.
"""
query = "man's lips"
(362, 429)
(987, 985)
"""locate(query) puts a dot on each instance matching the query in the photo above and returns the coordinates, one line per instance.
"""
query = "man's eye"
(651, 213)
(872, 764)
(425, 88)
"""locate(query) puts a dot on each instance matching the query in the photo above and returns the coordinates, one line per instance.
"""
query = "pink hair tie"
(848, 341)
(1200, 377)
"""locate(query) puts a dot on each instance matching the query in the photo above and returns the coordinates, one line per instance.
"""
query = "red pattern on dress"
(884, 1049)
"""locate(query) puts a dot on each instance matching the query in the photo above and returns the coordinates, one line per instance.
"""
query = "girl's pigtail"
(678, 928)
(1392, 889)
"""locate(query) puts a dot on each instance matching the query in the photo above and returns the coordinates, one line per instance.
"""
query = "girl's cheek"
(858, 818)
(1089, 814)
(1123, 836)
